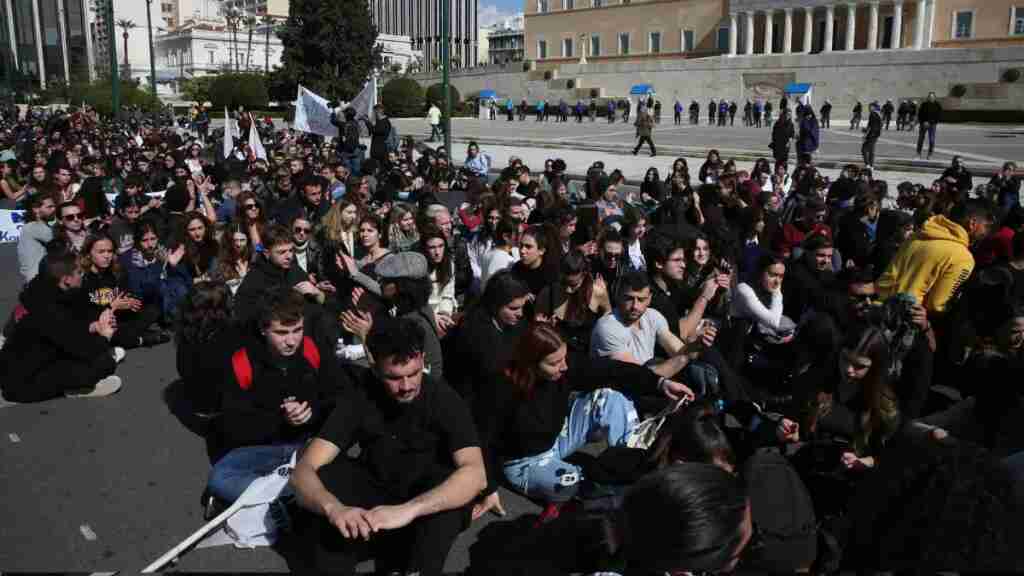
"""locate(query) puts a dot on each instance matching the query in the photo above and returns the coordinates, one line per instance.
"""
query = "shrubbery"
(402, 97)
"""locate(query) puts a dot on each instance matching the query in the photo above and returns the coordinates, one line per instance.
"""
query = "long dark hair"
(538, 342)
(869, 342)
(200, 254)
(546, 236)
(444, 269)
(229, 255)
(577, 305)
(204, 313)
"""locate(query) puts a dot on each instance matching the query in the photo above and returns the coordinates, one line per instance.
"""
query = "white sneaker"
(118, 353)
(104, 387)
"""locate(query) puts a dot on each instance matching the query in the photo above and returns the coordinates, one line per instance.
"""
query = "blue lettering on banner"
(11, 222)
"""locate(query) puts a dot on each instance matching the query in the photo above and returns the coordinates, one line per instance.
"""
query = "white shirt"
(434, 116)
(496, 260)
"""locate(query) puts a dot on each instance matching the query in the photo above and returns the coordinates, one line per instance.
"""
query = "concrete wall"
(842, 77)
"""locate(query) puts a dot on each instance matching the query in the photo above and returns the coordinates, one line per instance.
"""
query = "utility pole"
(152, 63)
(446, 62)
(115, 82)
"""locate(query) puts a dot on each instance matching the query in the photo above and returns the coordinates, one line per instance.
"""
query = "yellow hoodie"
(931, 266)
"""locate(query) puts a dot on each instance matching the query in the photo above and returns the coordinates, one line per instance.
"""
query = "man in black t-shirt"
(407, 497)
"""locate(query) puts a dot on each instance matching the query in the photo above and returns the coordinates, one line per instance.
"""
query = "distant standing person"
(657, 111)
(810, 133)
(677, 110)
(858, 111)
(732, 113)
(887, 111)
(644, 129)
(434, 119)
(871, 136)
(712, 109)
(625, 110)
(826, 114)
(928, 119)
(782, 133)
(379, 129)
(767, 114)
(611, 111)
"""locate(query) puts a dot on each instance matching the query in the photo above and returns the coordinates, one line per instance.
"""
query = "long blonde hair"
(332, 225)
(395, 234)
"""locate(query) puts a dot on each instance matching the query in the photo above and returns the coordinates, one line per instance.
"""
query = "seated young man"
(279, 388)
(54, 348)
(630, 332)
(409, 495)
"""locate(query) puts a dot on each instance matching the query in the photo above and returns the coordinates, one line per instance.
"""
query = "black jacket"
(55, 328)
(297, 205)
(512, 426)
(263, 278)
(804, 289)
(929, 112)
(252, 414)
(854, 241)
(874, 126)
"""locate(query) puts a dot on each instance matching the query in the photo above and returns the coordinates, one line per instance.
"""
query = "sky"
(493, 11)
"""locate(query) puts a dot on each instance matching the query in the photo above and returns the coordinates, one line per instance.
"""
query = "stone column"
(919, 25)
(897, 25)
(11, 38)
(830, 23)
(733, 32)
(851, 26)
(769, 30)
(37, 34)
(873, 26)
(808, 30)
(929, 34)
(787, 32)
(749, 40)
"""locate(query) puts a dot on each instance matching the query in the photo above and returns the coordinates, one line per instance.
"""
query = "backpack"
(242, 366)
(782, 510)
(391, 142)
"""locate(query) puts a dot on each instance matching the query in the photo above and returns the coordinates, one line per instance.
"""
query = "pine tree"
(330, 47)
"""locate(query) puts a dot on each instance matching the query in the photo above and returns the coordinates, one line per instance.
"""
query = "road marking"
(87, 532)
(947, 151)
(14, 437)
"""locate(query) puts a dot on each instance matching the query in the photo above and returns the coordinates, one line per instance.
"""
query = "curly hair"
(204, 313)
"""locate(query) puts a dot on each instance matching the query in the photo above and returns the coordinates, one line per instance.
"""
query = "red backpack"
(243, 367)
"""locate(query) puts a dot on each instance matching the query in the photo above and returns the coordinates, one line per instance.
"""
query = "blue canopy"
(641, 89)
(798, 88)
(488, 94)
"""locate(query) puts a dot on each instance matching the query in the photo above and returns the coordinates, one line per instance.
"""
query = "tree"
(329, 47)
(435, 95)
(402, 97)
(268, 22)
(250, 22)
(197, 88)
(234, 90)
(233, 17)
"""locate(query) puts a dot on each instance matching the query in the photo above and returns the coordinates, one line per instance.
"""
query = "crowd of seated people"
(737, 371)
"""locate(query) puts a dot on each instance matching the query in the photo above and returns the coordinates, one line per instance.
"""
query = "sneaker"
(118, 353)
(104, 387)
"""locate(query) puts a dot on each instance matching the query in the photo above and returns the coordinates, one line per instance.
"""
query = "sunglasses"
(863, 297)
(301, 230)
(72, 217)
(252, 207)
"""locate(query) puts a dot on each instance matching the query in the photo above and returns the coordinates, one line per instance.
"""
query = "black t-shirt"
(407, 448)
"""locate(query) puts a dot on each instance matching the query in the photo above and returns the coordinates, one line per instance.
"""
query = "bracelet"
(661, 383)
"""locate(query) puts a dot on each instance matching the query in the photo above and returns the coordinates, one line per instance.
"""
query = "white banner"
(312, 114)
(255, 143)
(364, 101)
(229, 139)
(112, 198)
(11, 222)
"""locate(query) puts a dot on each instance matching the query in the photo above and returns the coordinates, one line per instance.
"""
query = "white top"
(494, 261)
(434, 116)
(636, 256)
(748, 305)
(442, 298)
(610, 336)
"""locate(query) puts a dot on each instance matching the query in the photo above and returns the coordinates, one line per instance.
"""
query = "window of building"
(1017, 20)
(595, 44)
(723, 38)
(687, 42)
(542, 6)
(567, 47)
(963, 24)
(887, 29)
(624, 43)
(568, 4)
(542, 49)
(598, 3)
(654, 42)
(213, 57)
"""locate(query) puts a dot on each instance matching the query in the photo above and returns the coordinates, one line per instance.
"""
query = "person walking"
(645, 129)
(677, 110)
(733, 108)
(694, 113)
(767, 114)
(510, 109)
(434, 119)
(712, 110)
(928, 119)
(626, 105)
(522, 110)
(611, 111)
(871, 135)
(826, 114)
(901, 116)
(782, 133)
(723, 113)
(592, 109)
(657, 111)
(748, 114)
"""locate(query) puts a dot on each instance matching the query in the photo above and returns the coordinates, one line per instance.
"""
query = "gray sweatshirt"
(32, 248)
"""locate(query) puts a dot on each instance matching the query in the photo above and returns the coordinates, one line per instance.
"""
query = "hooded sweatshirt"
(931, 266)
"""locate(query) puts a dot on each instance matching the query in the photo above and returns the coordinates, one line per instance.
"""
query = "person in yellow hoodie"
(933, 264)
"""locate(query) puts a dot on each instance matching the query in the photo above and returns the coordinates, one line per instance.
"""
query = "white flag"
(364, 101)
(312, 114)
(255, 143)
(229, 139)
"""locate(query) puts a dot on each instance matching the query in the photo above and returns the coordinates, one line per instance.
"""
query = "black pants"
(826, 121)
(868, 151)
(640, 143)
(132, 325)
(59, 377)
(422, 546)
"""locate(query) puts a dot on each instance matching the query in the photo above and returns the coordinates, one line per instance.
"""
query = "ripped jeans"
(548, 476)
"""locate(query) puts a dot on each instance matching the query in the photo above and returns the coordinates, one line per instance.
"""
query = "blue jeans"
(233, 473)
(354, 162)
(548, 476)
(930, 129)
